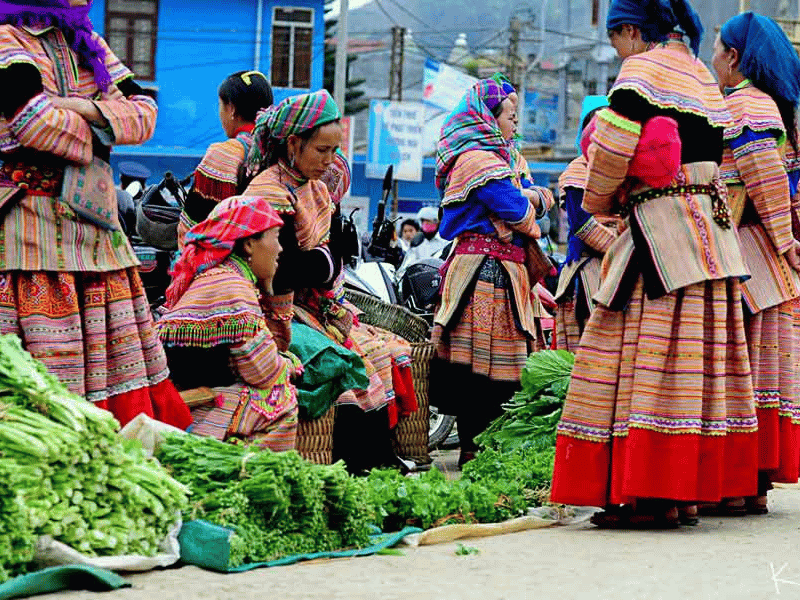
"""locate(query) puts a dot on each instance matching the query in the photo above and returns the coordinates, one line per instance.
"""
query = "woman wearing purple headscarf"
(68, 280)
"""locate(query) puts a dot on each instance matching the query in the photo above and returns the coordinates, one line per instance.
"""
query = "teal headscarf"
(589, 104)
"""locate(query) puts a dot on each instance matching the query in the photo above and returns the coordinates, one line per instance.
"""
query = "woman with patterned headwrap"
(486, 324)
(294, 149)
(69, 285)
(219, 174)
(759, 72)
(660, 413)
(589, 238)
(214, 330)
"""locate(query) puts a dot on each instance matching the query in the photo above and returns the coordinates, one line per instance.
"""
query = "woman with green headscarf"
(295, 144)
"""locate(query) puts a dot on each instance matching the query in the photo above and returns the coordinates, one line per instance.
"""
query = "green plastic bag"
(55, 579)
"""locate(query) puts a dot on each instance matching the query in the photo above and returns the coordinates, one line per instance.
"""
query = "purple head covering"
(74, 23)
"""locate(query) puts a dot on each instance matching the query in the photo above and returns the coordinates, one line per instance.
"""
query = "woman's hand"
(82, 106)
(532, 197)
(793, 256)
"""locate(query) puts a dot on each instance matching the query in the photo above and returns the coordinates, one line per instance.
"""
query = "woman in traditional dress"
(69, 285)
(214, 330)
(485, 326)
(588, 240)
(660, 408)
(294, 148)
(218, 175)
(759, 72)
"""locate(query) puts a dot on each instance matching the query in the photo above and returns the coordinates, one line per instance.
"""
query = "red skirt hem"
(650, 464)
(161, 402)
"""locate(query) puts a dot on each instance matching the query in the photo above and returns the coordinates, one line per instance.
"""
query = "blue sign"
(395, 138)
(541, 117)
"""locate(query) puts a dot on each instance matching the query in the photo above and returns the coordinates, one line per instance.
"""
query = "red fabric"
(649, 464)
(657, 157)
(778, 446)
(403, 385)
(161, 402)
(246, 128)
(404, 402)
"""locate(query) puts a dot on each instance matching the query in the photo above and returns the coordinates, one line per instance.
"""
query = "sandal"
(756, 505)
(687, 514)
(625, 517)
(731, 507)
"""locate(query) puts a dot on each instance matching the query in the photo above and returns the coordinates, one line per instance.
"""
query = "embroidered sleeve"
(761, 168)
(610, 152)
(584, 226)
(42, 126)
(257, 360)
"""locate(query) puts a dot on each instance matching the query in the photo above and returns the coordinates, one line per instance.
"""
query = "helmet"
(419, 286)
(157, 220)
(428, 213)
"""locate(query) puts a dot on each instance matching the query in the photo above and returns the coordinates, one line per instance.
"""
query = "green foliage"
(531, 416)
(67, 474)
(462, 550)
(278, 503)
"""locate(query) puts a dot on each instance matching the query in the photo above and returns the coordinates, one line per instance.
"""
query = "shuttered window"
(131, 31)
(292, 34)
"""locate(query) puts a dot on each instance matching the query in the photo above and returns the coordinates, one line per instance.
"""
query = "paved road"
(750, 558)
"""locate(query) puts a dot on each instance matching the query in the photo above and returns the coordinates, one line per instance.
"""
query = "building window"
(292, 33)
(131, 28)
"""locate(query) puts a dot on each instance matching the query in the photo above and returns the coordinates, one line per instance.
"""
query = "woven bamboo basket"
(315, 438)
(411, 433)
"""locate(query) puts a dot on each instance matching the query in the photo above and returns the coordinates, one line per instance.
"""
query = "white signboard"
(395, 138)
(443, 88)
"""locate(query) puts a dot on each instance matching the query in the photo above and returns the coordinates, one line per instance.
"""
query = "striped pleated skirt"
(567, 329)
(660, 404)
(486, 335)
(94, 331)
(773, 337)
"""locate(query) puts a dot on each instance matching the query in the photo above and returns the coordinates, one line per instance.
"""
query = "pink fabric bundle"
(657, 158)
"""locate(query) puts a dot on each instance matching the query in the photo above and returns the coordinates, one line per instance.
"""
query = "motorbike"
(150, 220)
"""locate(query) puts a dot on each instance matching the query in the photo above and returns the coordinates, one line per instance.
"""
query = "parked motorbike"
(154, 233)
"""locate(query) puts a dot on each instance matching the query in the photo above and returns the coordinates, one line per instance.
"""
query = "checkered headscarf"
(471, 126)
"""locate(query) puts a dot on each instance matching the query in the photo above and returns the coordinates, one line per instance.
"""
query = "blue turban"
(589, 104)
(767, 57)
(657, 19)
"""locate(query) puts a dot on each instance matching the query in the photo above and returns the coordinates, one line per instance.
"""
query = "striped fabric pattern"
(486, 336)
(775, 357)
(613, 144)
(220, 307)
(651, 417)
(669, 76)
(567, 330)
(472, 170)
(42, 234)
(755, 110)
(93, 331)
(471, 126)
(217, 174)
(307, 201)
(41, 126)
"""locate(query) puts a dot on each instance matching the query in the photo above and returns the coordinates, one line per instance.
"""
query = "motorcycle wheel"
(440, 427)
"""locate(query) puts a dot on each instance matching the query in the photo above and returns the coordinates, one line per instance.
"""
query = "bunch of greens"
(277, 503)
(531, 417)
(69, 475)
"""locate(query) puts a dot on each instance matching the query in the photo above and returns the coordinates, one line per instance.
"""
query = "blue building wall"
(199, 44)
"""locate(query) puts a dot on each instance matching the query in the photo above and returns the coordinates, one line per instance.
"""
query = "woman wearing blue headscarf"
(659, 413)
(588, 240)
(759, 72)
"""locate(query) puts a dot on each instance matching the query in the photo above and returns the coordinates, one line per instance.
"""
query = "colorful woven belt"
(488, 245)
(717, 190)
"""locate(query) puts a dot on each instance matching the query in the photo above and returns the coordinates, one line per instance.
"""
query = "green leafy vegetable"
(67, 474)
(462, 550)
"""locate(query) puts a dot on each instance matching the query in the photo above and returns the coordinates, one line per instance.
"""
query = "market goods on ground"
(69, 475)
